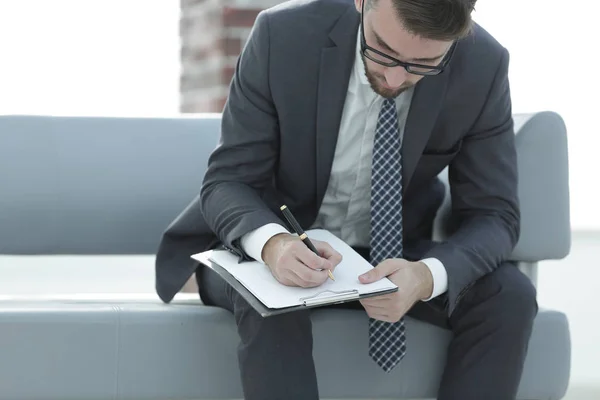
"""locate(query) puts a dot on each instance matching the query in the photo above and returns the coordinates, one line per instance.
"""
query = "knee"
(250, 323)
(516, 300)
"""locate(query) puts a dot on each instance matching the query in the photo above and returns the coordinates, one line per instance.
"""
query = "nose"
(395, 76)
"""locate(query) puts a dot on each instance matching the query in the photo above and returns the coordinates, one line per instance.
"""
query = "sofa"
(97, 186)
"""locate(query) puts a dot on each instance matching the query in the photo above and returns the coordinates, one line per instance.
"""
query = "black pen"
(303, 236)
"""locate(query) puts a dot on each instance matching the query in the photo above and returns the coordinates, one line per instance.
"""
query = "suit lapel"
(334, 75)
(425, 107)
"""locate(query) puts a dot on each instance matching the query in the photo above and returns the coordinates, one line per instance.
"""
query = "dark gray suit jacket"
(278, 137)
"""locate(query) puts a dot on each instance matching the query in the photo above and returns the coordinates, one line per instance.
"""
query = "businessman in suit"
(347, 111)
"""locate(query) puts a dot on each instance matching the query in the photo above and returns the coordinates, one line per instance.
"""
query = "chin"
(384, 90)
(389, 93)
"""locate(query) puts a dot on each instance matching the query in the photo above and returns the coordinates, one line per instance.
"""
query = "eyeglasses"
(389, 61)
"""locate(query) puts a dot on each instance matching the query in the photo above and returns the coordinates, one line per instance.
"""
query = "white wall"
(121, 57)
(554, 60)
(89, 57)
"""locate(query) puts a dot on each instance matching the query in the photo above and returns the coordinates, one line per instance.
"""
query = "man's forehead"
(390, 35)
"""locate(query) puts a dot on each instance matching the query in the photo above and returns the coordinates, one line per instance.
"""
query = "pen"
(288, 215)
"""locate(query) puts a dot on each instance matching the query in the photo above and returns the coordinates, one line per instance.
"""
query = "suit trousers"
(491, 328)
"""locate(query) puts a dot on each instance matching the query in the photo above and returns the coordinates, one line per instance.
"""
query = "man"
(347, 111)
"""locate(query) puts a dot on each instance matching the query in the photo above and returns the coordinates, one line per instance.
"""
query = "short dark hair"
(434, 19)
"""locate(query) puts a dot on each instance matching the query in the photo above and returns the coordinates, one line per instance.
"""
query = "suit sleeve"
(483, 186)
(241, 167)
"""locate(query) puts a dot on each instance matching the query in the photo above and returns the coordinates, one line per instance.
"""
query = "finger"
(372, 304)
(328, 252)
(381, 298)
(379, 315)
(289, 278)
(285, 279)
(384, 318)
(307, 280)
(311, 260)
(308, 277)
(385, 268)
(285, 276)
(287, 272)
(379, 301)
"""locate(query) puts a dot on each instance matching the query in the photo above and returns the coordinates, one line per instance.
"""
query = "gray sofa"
(98, 186)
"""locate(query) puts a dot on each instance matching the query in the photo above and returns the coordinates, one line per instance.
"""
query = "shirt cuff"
(254, 241)
(439, 274)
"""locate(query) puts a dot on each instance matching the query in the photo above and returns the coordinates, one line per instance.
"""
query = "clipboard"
(326, 297)
(257, 276)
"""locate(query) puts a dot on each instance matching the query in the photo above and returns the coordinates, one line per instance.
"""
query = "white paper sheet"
(257, 277)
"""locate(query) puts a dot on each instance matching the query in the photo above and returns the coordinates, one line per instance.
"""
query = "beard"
(374, 82)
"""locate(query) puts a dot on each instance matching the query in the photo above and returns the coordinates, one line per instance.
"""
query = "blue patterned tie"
(386, 340)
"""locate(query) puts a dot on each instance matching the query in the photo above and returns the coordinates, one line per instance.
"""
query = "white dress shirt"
(345, 210)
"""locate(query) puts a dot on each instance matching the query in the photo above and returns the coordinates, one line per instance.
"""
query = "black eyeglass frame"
(394, 62)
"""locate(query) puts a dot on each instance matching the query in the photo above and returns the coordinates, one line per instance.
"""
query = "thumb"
(379, 272)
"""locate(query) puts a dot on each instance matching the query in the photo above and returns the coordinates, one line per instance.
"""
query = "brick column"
(212, 34)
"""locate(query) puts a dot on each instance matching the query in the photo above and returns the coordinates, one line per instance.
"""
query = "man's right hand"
(293, 264)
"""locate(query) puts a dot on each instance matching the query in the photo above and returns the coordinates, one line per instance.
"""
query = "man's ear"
(358, 4)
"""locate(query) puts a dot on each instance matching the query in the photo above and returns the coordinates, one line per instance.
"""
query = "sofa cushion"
(98, 185)
(128, 349)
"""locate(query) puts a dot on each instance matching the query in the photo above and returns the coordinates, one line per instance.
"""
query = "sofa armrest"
(541, 142)
(542, 152)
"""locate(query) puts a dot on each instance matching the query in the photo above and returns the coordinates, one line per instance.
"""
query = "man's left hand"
(414, 283)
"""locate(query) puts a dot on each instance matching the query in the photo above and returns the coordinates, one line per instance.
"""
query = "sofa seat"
(119, 347)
